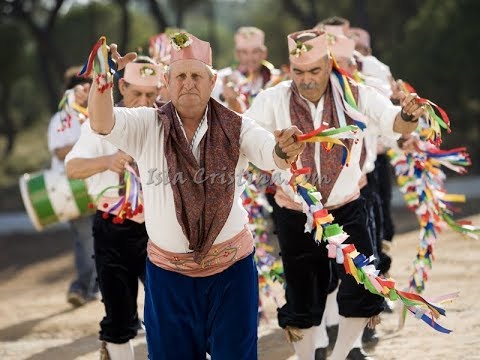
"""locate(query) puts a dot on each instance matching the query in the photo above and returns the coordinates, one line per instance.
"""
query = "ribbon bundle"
(421, 180)
(321, 223)
(343, 95)
(102, 64)
(130, 203)
(331, 137)
(356, 264)
(70, 110)
(270, 269)
(436, 123)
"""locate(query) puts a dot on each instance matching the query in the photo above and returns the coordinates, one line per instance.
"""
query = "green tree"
(12, 69)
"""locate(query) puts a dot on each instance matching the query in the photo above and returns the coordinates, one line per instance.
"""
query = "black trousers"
(383, 179)
(120, 256)
(378, 195)
(308, 269)
(375, 215)
(353, 299)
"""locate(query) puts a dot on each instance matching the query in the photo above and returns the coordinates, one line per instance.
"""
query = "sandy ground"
(37, 323)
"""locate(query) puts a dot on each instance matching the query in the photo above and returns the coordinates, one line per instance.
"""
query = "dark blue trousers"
(186, 317)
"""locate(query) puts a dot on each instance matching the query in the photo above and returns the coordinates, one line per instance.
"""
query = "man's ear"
(214, 81)
(122, 86)
(265, 54)
(330, 63)
(166, 79)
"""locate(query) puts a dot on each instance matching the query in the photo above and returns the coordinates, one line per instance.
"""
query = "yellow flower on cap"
(307, 46)
(142, 74)
(180, 41)
(147, 71)
(300, 49)
(186, 46)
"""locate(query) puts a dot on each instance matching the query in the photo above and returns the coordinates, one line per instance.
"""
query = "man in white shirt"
(370, 183)
(201, 291)
(313, 98)
(370, 66)
(238, 85)
(342, 48)
(120, 246)
(61, 139)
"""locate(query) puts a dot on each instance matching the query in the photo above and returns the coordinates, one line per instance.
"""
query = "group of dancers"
(166, 168)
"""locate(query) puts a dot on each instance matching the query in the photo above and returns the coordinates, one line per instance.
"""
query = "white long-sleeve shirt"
(138, 132)
(59, 137)
(376, 74)
(89, 146)
(271, 109)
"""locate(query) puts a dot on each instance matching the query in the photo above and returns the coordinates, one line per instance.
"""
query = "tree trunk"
(212, 34)
(179, 15)
(308, 20)
(7, 129)
(47, 53)
(158, 15)
(53, 92)
(361, 15)
(313, 13)
(125, 25)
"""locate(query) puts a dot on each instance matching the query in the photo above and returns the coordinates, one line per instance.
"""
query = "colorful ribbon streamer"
(433, 133)
(421, 180)
(344, 95)
(270, 269)
(320, 221)
(128, 205)
(330, 137)
(100, 61)
(70, 110)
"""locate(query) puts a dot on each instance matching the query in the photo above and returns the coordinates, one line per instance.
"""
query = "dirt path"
(37, 323)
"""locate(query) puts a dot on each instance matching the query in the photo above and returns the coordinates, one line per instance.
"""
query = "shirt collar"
(180, 119)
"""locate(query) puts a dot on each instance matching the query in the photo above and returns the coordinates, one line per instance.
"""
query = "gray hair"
(211, 71)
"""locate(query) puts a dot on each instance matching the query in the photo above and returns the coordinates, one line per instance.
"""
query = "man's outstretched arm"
(100, 110)
(100, 104)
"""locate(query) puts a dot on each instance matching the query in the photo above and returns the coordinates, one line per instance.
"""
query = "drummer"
(120, 245)
(61, 139)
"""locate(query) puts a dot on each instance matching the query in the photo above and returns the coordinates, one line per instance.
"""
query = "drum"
(50, 197)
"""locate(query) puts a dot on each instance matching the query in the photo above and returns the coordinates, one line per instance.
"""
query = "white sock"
(305, 348)
(348, 331)
(320, 334)
(121, 351)
(331, 309)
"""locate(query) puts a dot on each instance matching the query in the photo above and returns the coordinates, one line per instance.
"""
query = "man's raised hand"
(121, 61)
